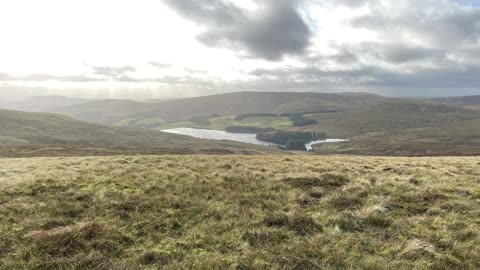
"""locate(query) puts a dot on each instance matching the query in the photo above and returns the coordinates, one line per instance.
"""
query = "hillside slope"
(470, 101)
(42, 133)
(391, 115)
(373, 124)
(403, 127)
(391, 127)
(122, 111)
(43, 103)
(240, 212)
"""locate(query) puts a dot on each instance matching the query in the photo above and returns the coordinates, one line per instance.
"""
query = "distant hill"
(391, 115)
(109, 111)
(44, 103)
(472, 101)
(374, 124)
(122, 111)
(42, 133)
(404, 127)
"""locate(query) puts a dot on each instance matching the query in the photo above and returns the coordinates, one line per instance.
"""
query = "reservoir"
(239, 137)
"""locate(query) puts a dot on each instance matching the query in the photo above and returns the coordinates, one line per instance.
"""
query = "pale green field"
(221, 123)
(261, 122)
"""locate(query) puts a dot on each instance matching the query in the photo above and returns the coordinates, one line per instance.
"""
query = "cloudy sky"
(176, 48)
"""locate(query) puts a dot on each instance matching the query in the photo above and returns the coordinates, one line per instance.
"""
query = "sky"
(140, 49)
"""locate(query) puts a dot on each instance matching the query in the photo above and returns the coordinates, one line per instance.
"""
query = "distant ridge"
(113, 111)
(44, 103)
(473, 101)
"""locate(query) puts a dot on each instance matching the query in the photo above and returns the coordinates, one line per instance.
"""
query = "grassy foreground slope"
(39, 134)
(240, 212)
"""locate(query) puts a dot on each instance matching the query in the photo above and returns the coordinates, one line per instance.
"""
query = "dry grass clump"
(240, 212)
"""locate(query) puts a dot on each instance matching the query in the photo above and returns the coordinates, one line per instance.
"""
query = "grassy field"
(261, 122)
(240, 212)
(221, 123)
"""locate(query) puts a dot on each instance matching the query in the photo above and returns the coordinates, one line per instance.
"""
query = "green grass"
(220, 123)
(175, 125)
(261, 122)
(240, 212)
(144, 122)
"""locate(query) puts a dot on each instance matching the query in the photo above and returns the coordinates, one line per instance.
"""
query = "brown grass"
(240, 212)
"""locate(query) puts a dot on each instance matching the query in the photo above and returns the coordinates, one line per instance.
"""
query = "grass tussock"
(240, 212)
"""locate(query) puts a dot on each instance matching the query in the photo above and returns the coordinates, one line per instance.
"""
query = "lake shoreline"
(239, 137)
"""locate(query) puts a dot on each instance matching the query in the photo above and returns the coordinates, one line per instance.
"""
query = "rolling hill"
(390, 127)
(124, 112)
(33, 134)
(403, 127)
(373, 124)
(44, 103)
(471, 101)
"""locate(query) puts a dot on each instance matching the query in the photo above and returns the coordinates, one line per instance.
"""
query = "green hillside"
(403, 127)
(373, 124)
(391, 115)
(240, 212)
(391, 127)
(24, 134)
(122, 111)
(472, 101)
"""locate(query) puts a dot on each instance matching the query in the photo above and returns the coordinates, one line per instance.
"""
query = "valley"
(373, 125)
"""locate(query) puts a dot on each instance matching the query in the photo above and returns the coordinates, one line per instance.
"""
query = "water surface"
(239, 137)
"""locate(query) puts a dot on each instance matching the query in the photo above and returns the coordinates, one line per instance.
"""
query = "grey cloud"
(446, 26)
(403, 54)
(373, 77)
(422, 45)
(393, 53)
(470, 54)
(439, 78)
(275, 30)
(390, 53)
(361, 76)
(210, 12)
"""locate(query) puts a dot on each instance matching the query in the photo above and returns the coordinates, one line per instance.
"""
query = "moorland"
(240, 212)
